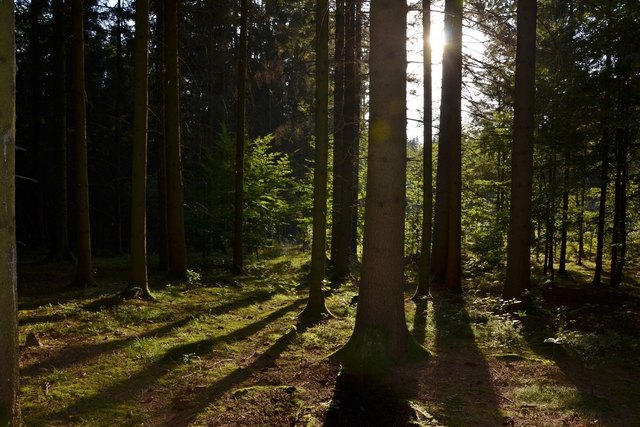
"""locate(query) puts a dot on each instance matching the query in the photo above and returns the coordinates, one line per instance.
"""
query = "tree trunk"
(562, 262)
(427, 153)
(60, 249)
(316, 306)
(161, 151)
(518, 275)
(580, 203)
(175, 197)
(84, 274)
(619, 236)
(9, 368)
(380, 335)
(446, 262)
(338, 263)
(138, 262)
(240, 140)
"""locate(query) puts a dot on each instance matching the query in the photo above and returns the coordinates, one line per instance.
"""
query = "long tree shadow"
(130, 388)
(83, 353)
(460, 379)
(606, 386)
(198, 403)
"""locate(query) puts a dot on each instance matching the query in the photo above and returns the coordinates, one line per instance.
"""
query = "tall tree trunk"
(346, 161)
(240, 140)
(60, 250)
(175, 197)
(356, 119)
(84, 273)
(9, 368)
(117, 182)
(580, 203)
(562, 262)
(161, 150)
(138, 262)
(427, 153)
(338, 126)
(446, 261)
(380, 331)
(518, 275)
(619, 235)
(316, 306)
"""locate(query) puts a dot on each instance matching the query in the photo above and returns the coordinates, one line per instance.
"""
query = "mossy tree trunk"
(316, 305)
(519, 247)
(9, 370)
(84, 273)
(138, 262)
(175, 192)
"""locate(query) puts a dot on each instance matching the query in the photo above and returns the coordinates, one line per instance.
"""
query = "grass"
(225, 350)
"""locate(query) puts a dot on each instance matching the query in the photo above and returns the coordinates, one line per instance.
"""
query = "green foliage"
(273, 199)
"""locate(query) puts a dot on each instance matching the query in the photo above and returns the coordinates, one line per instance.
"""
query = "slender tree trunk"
(427, 165)
(138, 262)
(562, 262)
(346, 161)
(60, 249)
(338, 127)
(316, 306)
(380, 334)
(602, 210)
(175, 197)
(117, 182)
(446, 261)
(580, 203)
(619, 235)
(518, 275)
(240, 140)
(9, 368)
(161, 151)
(356, 119)
(84, 273)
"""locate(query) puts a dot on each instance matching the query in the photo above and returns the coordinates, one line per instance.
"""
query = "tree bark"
(60, 249)
(380, 336)
(175, 192)
(424, 272)
(84, 273)
(240, 141)
(316, 306)
(518, 276)
(161, 151)
(562, 262)
(138, 262)
(446, 261)
(9, 368)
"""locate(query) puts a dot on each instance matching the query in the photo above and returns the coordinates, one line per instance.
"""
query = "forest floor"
(228, 351)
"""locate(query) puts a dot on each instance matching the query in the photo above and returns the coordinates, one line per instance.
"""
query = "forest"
(320, 212)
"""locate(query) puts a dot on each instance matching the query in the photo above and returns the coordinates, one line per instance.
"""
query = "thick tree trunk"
(427, 165)
(316, 306)
(518, 275)
(380, 335)
(138, 262)
(175, 192)
(446, 261)
(9, 368)
(60, 249)
(602, 209)
(84, 273)
(240, 141)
